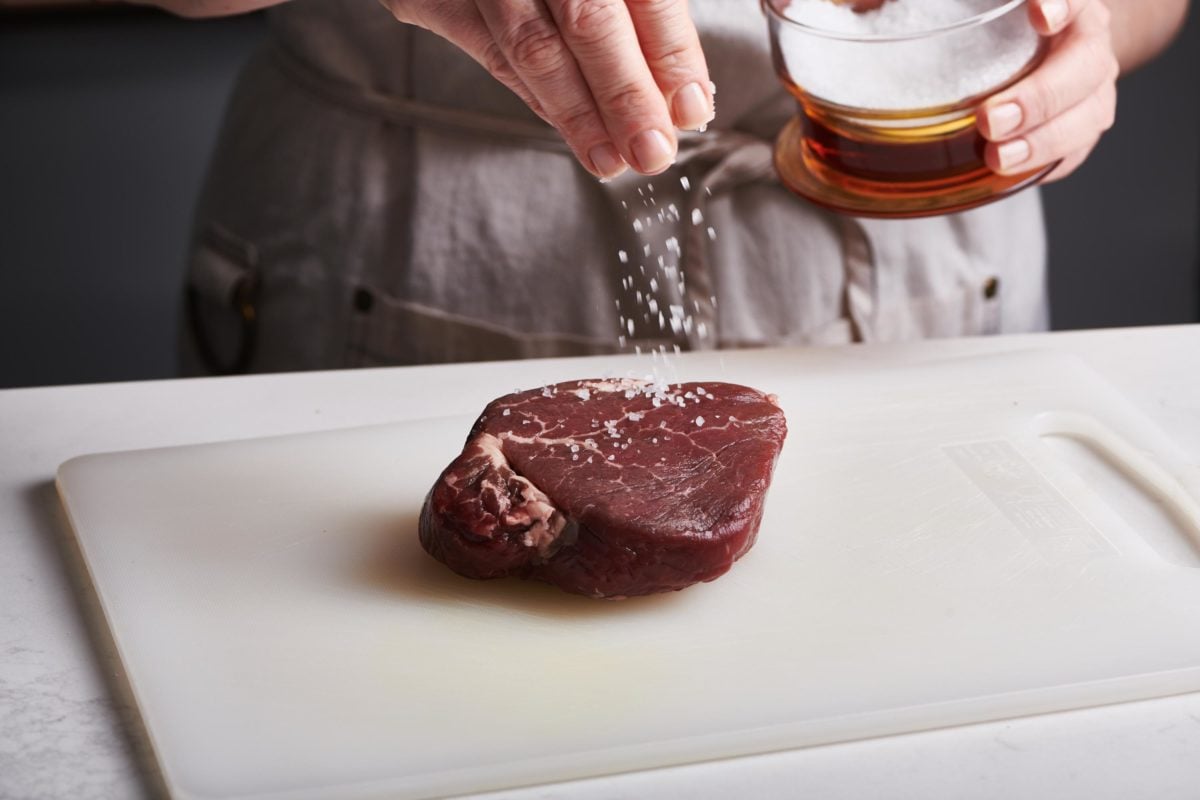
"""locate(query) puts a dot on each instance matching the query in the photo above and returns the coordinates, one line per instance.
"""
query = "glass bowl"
(886, 122)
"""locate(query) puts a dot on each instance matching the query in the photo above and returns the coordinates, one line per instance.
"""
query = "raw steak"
(608, 488)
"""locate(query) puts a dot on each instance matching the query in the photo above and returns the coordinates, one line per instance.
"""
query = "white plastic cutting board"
(925, 560)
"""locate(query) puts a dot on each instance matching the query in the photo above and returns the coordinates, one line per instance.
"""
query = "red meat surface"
(608, 488)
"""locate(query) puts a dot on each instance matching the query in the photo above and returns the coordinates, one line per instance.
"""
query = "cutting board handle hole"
(1154, 492)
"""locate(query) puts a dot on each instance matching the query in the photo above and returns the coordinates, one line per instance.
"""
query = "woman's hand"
(1059, 110)
(615, 77)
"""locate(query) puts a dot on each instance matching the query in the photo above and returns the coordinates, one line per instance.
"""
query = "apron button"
(991, 288)
(363, 300)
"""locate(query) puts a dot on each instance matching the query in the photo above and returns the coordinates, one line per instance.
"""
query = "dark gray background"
(107, 120)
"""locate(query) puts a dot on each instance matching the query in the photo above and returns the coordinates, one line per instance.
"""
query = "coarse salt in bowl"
(906, 55)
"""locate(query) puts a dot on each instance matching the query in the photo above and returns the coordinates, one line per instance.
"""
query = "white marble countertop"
(61, 736)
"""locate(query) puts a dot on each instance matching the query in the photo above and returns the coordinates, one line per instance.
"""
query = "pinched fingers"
(615, 77)
(602, 38)
(528, 38)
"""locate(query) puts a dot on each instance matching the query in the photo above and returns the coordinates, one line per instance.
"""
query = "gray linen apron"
(376, 198)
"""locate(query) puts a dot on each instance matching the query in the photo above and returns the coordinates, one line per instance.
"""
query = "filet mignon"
(608, 488)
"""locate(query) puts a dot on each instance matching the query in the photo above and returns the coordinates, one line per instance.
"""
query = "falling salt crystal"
(653, 285)
(677, 350)
(646, 249)
(640, 192)
(673, 211)
(637, 225)
(650, 186)
(639, 296)
(662, 322)
(621, 341)
(712, 233)
(652, 304)
(699, 422)
(673, 245)
(629, 326)
(623, 256)
(702, 330)
(624, 205)
(685, 183)
(697, 216)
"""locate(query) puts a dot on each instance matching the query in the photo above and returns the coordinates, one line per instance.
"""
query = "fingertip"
(1008, 158)
(653, 151)
(1051, 16)
(606, 162)
(692, 108)
(999, 118)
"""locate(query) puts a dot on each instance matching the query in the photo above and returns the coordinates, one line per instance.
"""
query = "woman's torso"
(397, 205)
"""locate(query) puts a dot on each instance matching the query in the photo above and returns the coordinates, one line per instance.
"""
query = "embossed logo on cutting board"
(1047, 520)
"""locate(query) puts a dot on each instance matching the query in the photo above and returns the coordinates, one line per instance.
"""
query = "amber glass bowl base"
(813, 180)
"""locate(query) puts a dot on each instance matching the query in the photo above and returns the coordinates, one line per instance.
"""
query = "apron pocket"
(386, 330)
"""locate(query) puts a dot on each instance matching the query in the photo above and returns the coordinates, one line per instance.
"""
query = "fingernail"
(652, 151)
(1054, 12)
(1003, 119)
(606, 161)
(692, 108)
(1013, 153)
